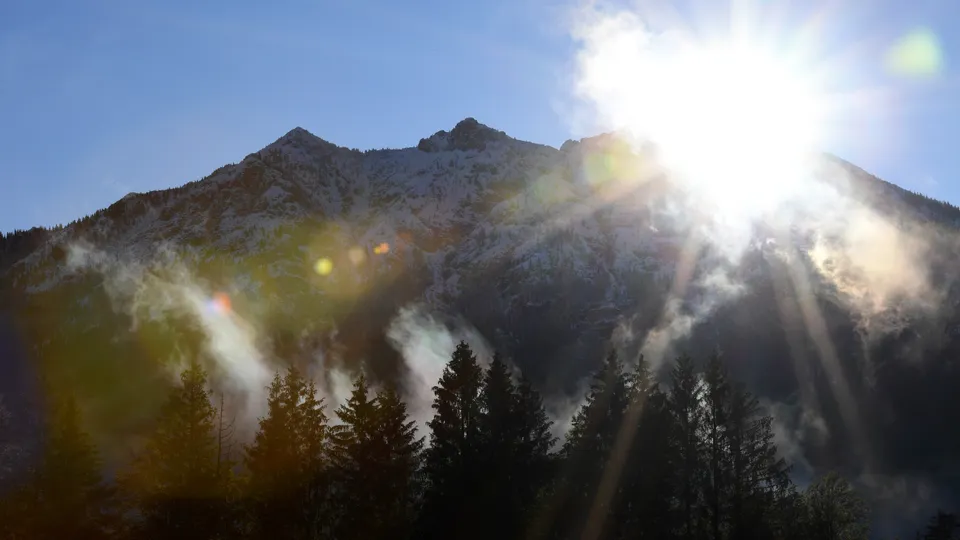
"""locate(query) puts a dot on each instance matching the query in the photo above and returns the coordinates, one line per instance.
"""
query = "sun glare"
(737, 124)
(735, 121)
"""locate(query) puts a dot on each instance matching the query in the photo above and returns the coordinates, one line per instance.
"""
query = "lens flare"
(916, 54)
(356, 255)
(220, 303)
(323, 266)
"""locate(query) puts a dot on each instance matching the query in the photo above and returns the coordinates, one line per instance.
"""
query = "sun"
(737, 124)
(735, 121)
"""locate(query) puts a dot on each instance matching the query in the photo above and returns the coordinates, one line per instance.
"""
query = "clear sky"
(102, 97)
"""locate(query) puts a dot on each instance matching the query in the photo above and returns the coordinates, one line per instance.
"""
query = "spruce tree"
(534, 465)
(684, 401)
(646, 504)
(286, 463)
(499, 449)
(270, 463)
(398, 458)
(452, 462)
(67, 496)
(760, 490)
(354, 455)
(313, 438)
(586, 453)
(175, 479)
(942, 526)
(715, 407)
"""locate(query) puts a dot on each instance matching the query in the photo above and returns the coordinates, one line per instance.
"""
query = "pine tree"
(175, 478)
(942, 526)
(398, 457)
(533, 463)
(313, 438)
(66, 496)
(452, 461)
(646, 508)
(716, 406)
(499, 449)
(353, 453)
(230, 510)
(760, 487)
(586, 453)
(686, 392)
(286, 483)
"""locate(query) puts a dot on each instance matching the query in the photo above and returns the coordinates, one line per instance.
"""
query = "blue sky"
(102, 97)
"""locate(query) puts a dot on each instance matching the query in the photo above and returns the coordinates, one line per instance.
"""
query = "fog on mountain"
(480, 337)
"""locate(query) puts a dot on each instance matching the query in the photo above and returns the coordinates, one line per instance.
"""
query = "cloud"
(682, 313)
(795, 428)
(165, 287)
(561, 409)
(426, 345)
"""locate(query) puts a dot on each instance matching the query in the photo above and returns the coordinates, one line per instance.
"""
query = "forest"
(690, 457)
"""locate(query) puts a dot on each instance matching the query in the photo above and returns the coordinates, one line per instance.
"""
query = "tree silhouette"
(354, 457)
(647, 478)
(684, 400)
(716, 412)
(398, 458)
(499, 450)
(834, 511)
(533, 463)
(287, 474)
(586, 453)
(942, 526)
(452, 462)
(175, 481)
(66, 495)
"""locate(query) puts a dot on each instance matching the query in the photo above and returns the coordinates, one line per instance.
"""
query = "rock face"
(549, 254)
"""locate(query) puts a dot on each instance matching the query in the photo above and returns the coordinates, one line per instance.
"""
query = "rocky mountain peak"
(300, 140)
(468, 134)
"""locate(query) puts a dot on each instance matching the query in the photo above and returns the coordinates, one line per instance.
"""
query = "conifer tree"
(313, 438)
(499, 450)
(715, 407)
(759, 485)
(375, 455)
(452, 461)
(684, 399)
(646, 508)
(942, 526)
(175, 480)
(399, 459)
(287, 484)
(534, 463)
(587, 449)
(354, 455)
(67, 496)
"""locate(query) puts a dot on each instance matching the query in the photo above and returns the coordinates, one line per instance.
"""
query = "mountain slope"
(547, 253)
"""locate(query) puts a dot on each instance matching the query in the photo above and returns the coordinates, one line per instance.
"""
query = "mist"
(425, 343)
(163, 288)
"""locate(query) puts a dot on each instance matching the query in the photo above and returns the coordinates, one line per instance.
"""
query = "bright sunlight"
(735, 121)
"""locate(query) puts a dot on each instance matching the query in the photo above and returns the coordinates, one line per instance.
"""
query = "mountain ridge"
(547, 254)
(299, 134)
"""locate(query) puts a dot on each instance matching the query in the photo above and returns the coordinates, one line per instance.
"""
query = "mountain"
(839, 312)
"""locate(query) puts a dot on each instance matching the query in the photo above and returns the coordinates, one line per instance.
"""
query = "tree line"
(691, 458)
